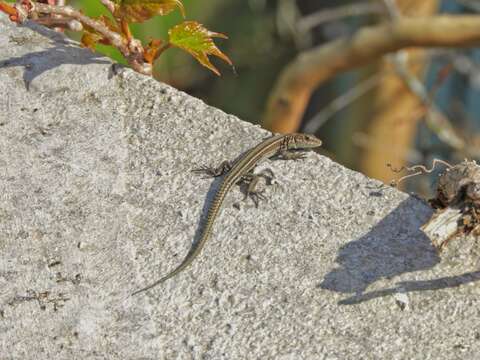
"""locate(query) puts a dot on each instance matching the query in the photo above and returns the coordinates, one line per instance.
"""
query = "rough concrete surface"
(97, 200)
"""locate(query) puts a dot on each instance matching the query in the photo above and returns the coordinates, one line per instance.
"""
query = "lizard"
(276, 146)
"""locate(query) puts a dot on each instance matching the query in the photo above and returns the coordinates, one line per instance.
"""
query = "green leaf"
(142, 10)
(197, 40)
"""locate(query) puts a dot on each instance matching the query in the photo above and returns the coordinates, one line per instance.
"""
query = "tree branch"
(292, 91)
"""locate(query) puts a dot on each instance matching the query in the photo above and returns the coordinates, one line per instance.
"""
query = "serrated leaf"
(142, 10)
(192, 37)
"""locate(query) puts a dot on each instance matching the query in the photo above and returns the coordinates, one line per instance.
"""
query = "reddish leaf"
(197, 40)
(151, 50)
(142, 10)
(90, 37)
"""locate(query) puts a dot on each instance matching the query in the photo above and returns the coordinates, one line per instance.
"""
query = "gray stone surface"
(97, 200)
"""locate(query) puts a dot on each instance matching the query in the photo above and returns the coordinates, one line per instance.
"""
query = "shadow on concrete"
(420, 285)
(63, 51)
(396, 245)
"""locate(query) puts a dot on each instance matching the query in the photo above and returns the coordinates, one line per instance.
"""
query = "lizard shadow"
(63, 51)
(396, 245)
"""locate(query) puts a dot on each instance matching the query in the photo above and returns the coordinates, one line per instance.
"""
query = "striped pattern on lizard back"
(274, 145)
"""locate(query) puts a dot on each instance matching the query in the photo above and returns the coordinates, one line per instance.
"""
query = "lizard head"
(306, 141)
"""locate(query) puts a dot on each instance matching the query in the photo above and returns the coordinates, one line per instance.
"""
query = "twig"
(341, 102)
(436, 120)
(419, 170)
(114, 38)
(316, 19)
(70, 24)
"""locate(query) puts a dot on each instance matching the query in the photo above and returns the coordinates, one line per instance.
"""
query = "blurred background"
(404, 109)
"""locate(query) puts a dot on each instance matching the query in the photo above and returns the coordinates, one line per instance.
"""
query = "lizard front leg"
(289, 155)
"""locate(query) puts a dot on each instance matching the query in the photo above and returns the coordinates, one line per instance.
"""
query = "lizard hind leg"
(210, 171)
(251, 180)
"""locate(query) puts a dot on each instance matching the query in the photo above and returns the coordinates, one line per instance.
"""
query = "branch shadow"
(63, 51)
(396, 245)
(420, 285)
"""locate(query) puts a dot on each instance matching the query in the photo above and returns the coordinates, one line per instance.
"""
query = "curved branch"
(292, 91)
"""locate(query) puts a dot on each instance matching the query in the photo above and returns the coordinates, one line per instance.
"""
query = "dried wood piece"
(457, 204)
(442, 226)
